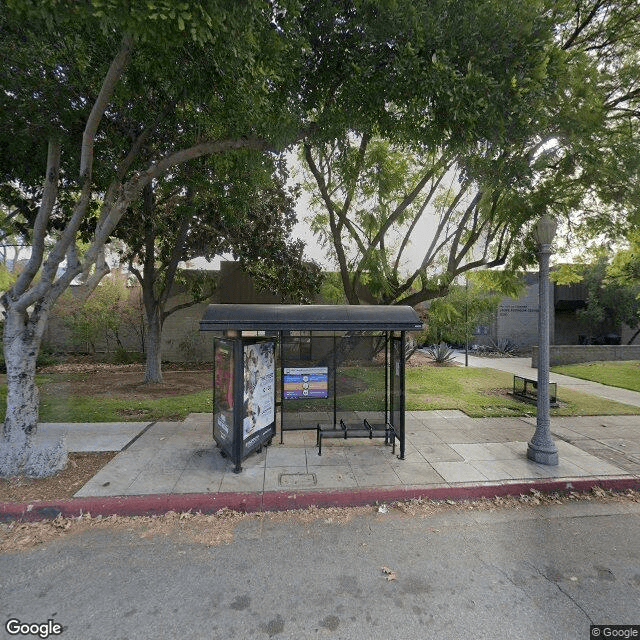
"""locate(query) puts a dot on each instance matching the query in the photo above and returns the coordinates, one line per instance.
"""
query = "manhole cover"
(297, 480)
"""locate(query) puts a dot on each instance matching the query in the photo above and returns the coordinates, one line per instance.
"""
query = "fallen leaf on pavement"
(391, 575)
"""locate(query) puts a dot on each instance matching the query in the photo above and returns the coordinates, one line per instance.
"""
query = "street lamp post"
(541, 447)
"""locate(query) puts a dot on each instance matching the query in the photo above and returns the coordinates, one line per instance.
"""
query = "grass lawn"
(479, 392)
(625, 374)
(68, 407)
(482, 392)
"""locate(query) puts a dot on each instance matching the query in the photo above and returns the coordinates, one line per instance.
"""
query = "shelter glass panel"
(308, 381)
(361, 381)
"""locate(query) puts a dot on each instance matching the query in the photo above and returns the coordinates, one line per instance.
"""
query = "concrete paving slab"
(593, 466)
(199, 481)
(622, 444)
(338, 477)
(458, 472)
(439, 453)
(414, 474)
(89, 436)
(331, 456)
(174, 458)
(371, 480)
(522, 469)
(288, 478)
(493, 469)
(424, 436)
(474, 451)
(152, 481)
(206, 460)
(459, 436)
(281, 456)
(250, 479)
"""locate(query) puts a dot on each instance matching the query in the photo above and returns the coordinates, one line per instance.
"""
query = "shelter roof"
(289, 317)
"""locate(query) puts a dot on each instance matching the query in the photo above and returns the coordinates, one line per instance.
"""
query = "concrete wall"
(182, 340)
(517, 320)
(572, 354)
(628, 333)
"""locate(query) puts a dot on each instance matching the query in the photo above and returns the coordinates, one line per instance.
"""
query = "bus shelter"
(336, 369)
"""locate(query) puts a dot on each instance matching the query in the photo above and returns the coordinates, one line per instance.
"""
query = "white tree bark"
(18, 456)
(28, 303)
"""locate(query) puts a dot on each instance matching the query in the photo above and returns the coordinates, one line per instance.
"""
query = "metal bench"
(366, 430)
(527, 389)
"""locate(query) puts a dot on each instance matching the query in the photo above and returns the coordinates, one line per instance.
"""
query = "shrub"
(440, 353)
(504, 347)
(122, 356)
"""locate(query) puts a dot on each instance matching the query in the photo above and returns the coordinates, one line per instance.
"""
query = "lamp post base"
(543, 455)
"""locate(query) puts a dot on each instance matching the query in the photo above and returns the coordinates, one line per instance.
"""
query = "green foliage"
(122, 356)
(624, 267)
(6, 277)
(440, 353)
(610, 301)
(331, 291)
(100, 317)
(454, 317)
(503, 347)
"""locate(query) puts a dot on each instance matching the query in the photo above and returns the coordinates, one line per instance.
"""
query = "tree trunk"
(153, 366)
(22, 337)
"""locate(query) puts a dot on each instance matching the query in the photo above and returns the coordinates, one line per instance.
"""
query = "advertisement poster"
(259, 387)
(306, 382)
(223, 391)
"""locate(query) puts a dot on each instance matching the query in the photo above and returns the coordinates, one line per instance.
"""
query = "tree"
(568, 102)
(454, 317)
(105, 88)
(612, 298)
(116, 94)
(482, 73)
(237, 206)
(372, 197)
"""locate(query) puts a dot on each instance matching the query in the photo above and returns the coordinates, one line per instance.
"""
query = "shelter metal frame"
(389, 322)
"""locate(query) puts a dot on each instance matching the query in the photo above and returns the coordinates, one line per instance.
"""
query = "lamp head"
(545, 230)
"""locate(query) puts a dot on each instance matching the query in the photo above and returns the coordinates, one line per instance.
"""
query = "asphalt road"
(535, 572)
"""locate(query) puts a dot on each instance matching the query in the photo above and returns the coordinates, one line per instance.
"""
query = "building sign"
(259, 387)
(306, 382)
(505, 310)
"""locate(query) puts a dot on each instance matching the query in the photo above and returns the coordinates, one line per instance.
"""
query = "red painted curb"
(282, 500)
(156, 504)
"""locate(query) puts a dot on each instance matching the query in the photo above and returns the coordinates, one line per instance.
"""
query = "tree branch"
(49, 195)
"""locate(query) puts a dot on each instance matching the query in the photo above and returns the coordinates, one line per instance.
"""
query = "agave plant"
(504, 347)
(440, 353)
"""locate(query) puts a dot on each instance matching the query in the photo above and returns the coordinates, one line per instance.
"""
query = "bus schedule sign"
(306, 382)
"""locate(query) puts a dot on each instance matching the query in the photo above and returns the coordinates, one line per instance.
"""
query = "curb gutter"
(158, 504)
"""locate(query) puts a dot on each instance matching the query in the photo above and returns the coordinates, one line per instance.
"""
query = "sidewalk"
(176, 465)
(444, 449)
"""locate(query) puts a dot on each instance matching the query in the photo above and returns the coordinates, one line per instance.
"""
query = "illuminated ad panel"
(306, 382)
(259, 387)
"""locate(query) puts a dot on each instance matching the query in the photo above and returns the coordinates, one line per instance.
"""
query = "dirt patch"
(125, 382)
(81, 468)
